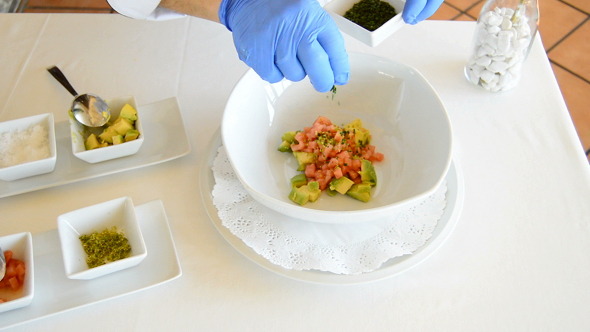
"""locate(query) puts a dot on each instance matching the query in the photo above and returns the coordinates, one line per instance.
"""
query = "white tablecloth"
(518, 260)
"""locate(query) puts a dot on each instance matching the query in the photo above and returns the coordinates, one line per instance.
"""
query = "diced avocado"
(284, 146)
(307, 193)
(107, 134)
(362, 136)
(341, 185)
(289, 136)
(122, 126)
(91, 142)
(360, 191)
(303, 159)
(129, 113)
(331, 192)
(299, 195)
(118, 139)
(313, 188)
(131, 135)
(368, 174)
(299, 180)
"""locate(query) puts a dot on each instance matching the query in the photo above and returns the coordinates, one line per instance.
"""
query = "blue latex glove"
(418, 10)
(287, 38)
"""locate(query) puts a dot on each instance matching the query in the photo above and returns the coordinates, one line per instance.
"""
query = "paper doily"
(303, 245)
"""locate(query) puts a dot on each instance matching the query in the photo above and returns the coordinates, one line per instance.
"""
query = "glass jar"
(503, 37)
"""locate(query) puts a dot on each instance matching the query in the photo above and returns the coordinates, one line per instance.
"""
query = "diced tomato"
(310, 170)
(14, 277)
(8, 255)
(14, 284)
(377, 156)
(336, 151)
(338, 172)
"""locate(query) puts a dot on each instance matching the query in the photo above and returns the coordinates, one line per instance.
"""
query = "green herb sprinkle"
(104, 247)
(370, 14)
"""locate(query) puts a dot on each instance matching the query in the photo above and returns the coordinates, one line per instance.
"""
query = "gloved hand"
(418, 10)
(287, 38)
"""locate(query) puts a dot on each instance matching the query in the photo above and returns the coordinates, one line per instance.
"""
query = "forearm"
(206, 9)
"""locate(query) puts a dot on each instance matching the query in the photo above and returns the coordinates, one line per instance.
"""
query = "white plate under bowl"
(403, 112)
(395, 266)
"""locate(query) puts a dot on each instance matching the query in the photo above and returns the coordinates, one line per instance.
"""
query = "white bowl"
(21, 127)
(337, 9)
(407, 120)
(79, 133)
(21, 245)
(118, 213)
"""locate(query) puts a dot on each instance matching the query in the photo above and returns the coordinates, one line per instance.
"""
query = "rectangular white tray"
(165, 140)
(55, 293)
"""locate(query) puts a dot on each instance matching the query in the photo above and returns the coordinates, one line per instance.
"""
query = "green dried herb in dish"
(104, 247)
(370, 14)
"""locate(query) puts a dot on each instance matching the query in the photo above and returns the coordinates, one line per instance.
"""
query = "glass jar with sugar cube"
(503, 37)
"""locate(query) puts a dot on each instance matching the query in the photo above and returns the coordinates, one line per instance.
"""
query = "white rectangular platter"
(55, 293)
(165, 140)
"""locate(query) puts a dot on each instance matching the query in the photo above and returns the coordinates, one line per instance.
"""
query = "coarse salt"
(21, 146)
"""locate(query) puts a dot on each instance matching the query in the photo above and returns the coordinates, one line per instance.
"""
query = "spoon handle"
(61, 78)
(2, 264)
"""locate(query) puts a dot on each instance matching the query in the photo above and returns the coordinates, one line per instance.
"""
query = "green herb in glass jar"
(370, 14)
(104, 247)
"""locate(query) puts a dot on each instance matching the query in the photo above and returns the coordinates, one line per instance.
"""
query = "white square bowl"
(30, 168)
(408, 122)
(21, 244)
(79, 133)
(337, 9)
(118, 213)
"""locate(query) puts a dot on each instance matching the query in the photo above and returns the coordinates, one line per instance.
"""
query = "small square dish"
(108, 142)
(21, 246)
(27, 147)
(103, 228)
(337, 9)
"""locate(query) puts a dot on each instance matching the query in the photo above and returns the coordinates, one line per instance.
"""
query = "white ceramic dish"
(21, 245)
(79, 132)
(393, 267)
(55, 293)
(407, 120)
(337, 9)
(31, 168)
(117, 213)
(161, 119)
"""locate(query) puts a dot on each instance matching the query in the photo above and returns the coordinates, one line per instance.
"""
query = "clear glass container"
(503, 37)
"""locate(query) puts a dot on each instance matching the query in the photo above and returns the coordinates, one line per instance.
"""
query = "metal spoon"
(2, 264)
(89, 109)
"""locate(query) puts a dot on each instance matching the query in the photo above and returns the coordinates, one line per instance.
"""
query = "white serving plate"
(395, 266)
(55, 293)
(161, 119)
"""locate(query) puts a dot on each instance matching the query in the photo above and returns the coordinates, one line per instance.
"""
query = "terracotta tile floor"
(564, 28)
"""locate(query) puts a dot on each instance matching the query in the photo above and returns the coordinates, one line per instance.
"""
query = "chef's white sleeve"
(143, 9)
